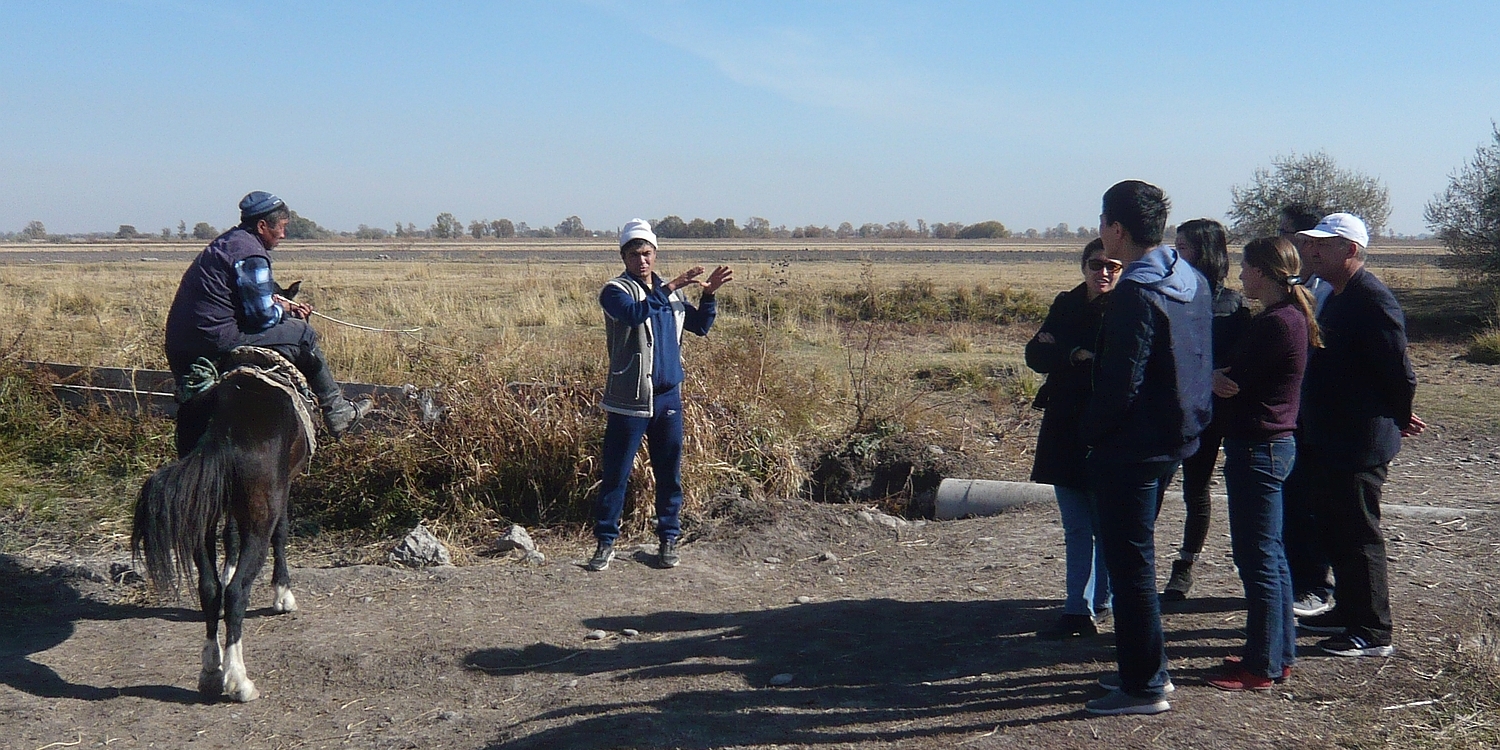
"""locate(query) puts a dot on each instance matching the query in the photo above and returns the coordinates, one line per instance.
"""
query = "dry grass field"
(814, 344)
(919, 636)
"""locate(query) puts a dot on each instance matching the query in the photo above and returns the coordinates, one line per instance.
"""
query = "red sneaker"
(1237, 678)
(1233, 661)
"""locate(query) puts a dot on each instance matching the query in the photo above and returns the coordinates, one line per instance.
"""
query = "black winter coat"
(1358, 390)
(1073, 321)
(1231, 320)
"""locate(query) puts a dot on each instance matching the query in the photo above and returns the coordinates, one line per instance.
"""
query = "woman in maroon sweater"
(1256, 408)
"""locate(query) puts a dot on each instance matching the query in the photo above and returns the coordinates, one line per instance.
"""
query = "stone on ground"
(420, 549)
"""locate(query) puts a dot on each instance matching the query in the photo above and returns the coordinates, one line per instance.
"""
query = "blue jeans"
(622, 440)
(1087, 578)
(1126, 494)
(1254, 471)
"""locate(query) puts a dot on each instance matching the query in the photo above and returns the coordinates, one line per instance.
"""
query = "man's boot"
(339, 413)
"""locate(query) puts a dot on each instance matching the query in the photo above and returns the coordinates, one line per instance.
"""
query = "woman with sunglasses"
(1063, 351)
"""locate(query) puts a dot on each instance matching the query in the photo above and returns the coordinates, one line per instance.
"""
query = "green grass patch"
(913, 301)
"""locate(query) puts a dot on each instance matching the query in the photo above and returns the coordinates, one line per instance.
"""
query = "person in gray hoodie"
(1153, 396)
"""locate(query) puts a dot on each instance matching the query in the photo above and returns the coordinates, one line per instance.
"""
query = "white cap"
(637, 229)
(1348, 226)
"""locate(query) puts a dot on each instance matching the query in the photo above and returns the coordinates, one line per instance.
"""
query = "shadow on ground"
(862, 670)
(1449, 314)
(38, 611)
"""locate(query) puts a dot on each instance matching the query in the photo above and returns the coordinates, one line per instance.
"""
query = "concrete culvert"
(960, 498)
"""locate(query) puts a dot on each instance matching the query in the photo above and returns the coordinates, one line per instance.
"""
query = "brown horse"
(237, 476)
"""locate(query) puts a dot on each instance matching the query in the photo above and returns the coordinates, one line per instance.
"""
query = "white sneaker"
(1311, 605)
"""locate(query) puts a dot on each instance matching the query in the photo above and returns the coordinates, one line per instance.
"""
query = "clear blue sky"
(146, 112)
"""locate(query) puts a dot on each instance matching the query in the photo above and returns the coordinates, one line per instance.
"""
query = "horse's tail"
(179, 506)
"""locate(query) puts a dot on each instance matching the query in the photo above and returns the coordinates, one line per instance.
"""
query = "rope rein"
(366, 328)
(405, 331)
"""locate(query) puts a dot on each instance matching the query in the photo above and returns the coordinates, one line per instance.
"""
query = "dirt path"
(918, 637)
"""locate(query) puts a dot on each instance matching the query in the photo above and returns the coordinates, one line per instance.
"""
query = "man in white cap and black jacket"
(644, 318)
(228, 299)
(1356, 408)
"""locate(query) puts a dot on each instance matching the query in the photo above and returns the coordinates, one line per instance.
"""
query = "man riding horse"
(227, 299)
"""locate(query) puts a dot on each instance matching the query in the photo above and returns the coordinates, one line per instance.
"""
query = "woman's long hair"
(1211, 241)
(1278, 261)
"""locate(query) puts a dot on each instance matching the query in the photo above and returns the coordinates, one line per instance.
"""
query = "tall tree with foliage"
(1466, 216)
(447, 227)
(303, 228)
(984, 230)
(1312, 179)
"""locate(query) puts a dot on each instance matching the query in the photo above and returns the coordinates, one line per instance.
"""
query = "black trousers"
(1306, 547)
(1346, 503)
(1197, 477)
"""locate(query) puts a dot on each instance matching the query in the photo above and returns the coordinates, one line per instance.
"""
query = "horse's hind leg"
(236, 596)
(211, 600)
(281, 579)
(231, 550)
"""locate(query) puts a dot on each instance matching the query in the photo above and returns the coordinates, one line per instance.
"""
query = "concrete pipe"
(958, 498)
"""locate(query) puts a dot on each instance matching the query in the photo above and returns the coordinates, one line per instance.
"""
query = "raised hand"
(686, 278)
(722, 275)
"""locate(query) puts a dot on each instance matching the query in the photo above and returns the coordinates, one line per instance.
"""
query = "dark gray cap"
(258, 203)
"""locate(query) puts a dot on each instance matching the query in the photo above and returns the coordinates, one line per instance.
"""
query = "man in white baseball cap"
(1356, 407)
(644, 318)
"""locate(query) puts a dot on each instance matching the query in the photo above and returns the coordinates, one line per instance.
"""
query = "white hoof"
(284, 602)
(237, 686)
(243, 691)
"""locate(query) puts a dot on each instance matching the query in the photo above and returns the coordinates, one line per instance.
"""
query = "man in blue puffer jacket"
(644, 318)
(1153, 377)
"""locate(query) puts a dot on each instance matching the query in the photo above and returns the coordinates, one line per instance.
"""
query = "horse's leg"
(281, 578)
(252, 547)
(231, 550)
(211, 600)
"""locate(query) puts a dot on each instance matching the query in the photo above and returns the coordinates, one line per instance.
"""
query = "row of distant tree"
(1466, 216)
(298, 228)
(449, 227)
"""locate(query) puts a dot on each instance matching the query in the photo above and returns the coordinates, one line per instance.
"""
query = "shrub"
(523, 445)
(1484, 348)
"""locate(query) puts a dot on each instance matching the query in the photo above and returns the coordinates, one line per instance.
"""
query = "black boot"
(1180, 582)
(339, 414)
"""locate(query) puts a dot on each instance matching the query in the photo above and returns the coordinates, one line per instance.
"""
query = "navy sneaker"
(666, 554)
(1116, 703)
(602, 555)
(1353, 645)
